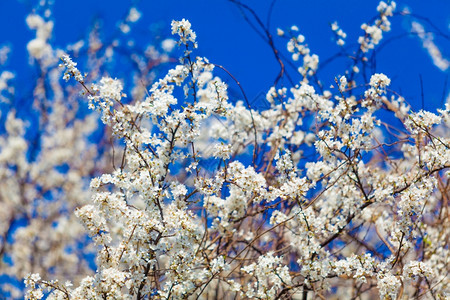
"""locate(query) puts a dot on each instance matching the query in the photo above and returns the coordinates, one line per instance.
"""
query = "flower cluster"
(133, 16)
(71, 69)
(340, 35)
(374, 33)
(39, 48)
(298, 48)
(183, 30)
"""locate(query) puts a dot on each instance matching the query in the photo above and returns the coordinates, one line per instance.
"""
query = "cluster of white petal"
(321, 205)
(340, 34)
(374, 33)
(39, 48)
(299, 48)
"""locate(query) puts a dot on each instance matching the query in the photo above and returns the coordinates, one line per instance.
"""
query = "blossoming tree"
(315, 196)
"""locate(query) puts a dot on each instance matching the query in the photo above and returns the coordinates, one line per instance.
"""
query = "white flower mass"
(192, 193)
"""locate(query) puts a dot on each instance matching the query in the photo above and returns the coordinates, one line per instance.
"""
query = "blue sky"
(226, 39)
